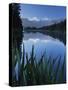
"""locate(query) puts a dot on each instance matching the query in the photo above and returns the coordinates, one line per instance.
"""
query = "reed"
(41, 72)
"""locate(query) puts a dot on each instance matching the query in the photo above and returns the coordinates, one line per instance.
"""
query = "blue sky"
(42, 12)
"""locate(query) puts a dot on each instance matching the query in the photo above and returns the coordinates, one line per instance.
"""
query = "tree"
(17, 28)
(16, 32)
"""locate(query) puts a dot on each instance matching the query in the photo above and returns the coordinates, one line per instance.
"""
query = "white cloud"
(37, 19)
(34, 19)
(45, 18)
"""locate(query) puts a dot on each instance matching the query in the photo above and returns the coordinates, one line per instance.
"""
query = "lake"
(43, 44)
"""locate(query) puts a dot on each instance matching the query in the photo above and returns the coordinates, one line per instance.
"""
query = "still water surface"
(43, 44)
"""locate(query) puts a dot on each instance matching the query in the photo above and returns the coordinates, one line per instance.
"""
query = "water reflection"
(42, 43)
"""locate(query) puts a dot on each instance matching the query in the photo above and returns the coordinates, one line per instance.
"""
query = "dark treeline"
(17, 27)
(56, 30)
(61, 26)
(16, 39)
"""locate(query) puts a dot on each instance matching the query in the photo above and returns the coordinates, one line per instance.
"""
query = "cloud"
(37, 19)
(34, 19)
(45, 18)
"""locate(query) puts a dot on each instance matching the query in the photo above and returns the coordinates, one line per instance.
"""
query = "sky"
(42, 12)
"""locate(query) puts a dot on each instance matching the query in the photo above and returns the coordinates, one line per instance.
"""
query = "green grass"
(38, 73)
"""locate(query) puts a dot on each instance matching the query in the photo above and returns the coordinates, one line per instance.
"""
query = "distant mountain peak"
(35, 22)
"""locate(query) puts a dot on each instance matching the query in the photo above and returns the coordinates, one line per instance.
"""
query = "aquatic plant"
(41, 72)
